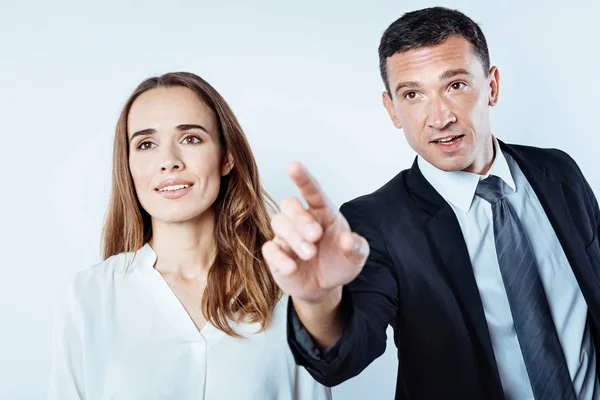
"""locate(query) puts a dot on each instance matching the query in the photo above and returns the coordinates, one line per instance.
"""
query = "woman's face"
(175, 156)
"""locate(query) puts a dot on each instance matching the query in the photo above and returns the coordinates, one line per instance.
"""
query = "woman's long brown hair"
(239, 286)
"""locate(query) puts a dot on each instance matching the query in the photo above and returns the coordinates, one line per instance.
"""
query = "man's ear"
(389, 106)
(494, 78)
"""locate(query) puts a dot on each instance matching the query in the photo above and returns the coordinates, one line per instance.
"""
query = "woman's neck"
(184, 249)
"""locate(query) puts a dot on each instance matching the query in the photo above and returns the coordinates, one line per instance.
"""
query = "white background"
(303, 79)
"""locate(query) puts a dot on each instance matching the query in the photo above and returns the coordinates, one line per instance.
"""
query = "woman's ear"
(227, 164)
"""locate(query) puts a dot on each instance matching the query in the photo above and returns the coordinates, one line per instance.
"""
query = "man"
(483, 256)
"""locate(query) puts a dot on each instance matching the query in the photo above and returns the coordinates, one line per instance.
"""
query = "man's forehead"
(453, 53)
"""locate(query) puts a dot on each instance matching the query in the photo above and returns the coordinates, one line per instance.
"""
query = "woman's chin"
(178, 217)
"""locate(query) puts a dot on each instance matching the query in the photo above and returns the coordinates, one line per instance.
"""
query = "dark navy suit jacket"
(419, 279)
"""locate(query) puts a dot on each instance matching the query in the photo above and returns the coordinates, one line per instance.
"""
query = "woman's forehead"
(164, 108)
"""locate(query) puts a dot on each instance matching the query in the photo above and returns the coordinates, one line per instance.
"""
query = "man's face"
(440, 97)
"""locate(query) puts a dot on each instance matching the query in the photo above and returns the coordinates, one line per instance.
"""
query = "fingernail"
(311, 230)
(306, 249)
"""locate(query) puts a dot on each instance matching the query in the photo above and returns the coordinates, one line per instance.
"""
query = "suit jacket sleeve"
(371, 301)
(596, 210)
(593, 202)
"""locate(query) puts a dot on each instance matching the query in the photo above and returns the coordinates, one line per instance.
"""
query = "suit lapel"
(453, 261)
(551, 195)
(555, 197)
(448, 243)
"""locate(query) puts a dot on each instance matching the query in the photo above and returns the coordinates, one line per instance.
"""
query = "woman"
(183, 306)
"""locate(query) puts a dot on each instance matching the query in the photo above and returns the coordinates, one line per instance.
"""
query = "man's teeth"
(174, 187)
(446, 140)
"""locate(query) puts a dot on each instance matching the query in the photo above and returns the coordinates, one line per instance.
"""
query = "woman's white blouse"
(125, 335)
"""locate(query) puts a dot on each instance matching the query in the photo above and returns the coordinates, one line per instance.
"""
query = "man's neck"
(484, 160)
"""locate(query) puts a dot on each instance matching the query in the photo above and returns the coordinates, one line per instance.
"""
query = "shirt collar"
(458, 187)
(145, 257)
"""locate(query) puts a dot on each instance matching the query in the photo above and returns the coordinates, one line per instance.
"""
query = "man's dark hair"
(428, 27)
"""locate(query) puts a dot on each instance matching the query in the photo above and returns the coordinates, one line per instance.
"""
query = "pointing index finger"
(309, 188)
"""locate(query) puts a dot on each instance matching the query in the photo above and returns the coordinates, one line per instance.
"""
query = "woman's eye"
(145, 145)
(191, 139)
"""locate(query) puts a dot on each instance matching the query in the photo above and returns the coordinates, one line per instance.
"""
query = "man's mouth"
(448, 140)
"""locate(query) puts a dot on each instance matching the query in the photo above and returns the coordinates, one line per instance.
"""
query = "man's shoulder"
(556, 162)
(394, 193)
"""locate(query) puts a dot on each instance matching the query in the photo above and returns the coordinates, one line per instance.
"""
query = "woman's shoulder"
(108, 273)
(282, 304)
(279, 316)
(274, 327)
(102, 271)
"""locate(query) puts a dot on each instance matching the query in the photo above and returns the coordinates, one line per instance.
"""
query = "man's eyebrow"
(445, 75)
(407, 84)
(454, 72)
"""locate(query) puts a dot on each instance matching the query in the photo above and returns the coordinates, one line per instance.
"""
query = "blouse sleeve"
(66, 377)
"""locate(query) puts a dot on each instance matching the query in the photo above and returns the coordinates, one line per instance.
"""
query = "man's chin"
(452, 165)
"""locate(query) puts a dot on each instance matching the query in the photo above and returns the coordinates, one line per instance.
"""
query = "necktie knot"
(490, 189)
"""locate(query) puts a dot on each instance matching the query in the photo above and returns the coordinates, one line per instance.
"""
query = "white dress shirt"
(567, 305)
(125, 335)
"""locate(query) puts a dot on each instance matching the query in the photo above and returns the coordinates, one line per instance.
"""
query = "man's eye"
(191, 139)
(410, 95)
(457, 85)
